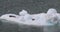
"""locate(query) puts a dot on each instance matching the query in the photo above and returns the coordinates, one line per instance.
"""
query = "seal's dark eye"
(12, 16)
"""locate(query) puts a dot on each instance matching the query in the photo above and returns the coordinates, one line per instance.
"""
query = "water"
(15, 27)
(8, 26)
(32, 6)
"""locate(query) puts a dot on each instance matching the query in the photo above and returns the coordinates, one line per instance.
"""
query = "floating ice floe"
(41, 19)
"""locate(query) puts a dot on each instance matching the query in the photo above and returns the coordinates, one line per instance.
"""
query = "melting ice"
(41, 19)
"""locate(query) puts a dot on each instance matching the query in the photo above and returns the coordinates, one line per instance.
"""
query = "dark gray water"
(8, 26)
(15, 27)
(32, 6)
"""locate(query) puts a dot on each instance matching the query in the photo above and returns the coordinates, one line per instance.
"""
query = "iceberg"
(41, 19)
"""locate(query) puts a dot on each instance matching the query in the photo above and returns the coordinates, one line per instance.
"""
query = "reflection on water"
(15, 27)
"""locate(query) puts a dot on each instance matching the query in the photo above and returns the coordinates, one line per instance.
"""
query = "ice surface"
(41, 19)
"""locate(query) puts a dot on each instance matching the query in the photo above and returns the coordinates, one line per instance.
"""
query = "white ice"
(24, 16)
(10, 17)
(41, 19)
(23, 13)
(54, 15)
